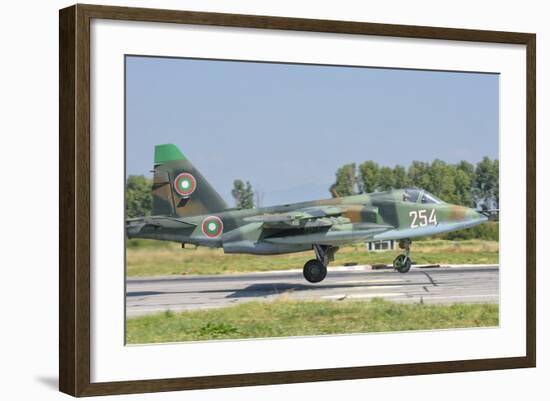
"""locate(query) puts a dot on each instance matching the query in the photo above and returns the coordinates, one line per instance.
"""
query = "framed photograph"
(250, 200)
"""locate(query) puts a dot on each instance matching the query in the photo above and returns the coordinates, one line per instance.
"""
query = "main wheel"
(402, 263)
(314, 271)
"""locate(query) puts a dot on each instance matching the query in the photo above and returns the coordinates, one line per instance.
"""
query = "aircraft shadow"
(262, 290)
(267, 289)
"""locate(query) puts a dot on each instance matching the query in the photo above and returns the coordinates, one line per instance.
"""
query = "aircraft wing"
(314, 216)
(336, 235)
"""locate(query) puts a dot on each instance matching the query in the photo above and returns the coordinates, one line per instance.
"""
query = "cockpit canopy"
(415, 195)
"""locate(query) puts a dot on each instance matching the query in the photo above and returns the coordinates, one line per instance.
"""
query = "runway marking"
(385, 287)
(393, 280)
(173, 309)
(463, 296)
(360, 296)
(205, 292)
(389, 294)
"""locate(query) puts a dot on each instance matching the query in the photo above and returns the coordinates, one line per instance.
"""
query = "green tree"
(461, 183)
(243, 194)
(442, 181)
(464, 181)
(139, 198)
(386, 180)
(345, 181)
(496, 189)
(400, 179)
(463, 188)
(486, 186)
(419, 174)
(369, 173)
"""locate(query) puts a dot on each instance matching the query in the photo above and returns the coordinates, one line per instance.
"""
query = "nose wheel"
(402, 263)
(315, 270)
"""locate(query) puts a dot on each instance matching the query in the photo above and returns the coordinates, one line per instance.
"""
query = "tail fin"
(179, 189)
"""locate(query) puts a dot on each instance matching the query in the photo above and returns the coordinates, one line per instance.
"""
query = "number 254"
(419, 218)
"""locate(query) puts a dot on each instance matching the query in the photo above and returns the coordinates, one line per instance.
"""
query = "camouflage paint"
(295, 227)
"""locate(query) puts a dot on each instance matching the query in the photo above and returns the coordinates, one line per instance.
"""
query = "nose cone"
(475, 216)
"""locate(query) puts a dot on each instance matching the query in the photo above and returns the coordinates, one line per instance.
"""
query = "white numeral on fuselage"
(419, 218)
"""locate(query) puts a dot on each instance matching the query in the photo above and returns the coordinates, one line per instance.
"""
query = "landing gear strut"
(402, 263)
(315, 270)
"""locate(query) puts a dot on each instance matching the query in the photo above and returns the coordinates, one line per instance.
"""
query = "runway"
(464, 284)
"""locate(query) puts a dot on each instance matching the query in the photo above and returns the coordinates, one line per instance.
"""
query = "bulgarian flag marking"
(185, 184)
(212, 226)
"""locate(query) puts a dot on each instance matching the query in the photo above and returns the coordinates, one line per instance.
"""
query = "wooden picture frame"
(75, 200)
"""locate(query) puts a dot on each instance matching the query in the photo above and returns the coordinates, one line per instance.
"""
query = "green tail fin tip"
(166, 153)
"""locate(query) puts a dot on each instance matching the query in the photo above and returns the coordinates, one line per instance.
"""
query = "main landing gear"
(315, 270)
(402, 263)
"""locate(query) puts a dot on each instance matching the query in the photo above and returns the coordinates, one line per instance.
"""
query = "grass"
(284, 317)
(154, 258)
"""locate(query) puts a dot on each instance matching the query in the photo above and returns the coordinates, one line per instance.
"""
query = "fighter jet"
(186, 209)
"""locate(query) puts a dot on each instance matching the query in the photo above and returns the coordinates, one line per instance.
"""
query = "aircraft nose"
(473, 214)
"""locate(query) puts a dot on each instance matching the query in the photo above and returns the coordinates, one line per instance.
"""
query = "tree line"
(139, 196)
(461, 183)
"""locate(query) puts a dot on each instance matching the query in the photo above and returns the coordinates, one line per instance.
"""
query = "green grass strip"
(282, 318)
(156, 258)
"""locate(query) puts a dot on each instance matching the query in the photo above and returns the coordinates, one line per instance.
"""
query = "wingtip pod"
(167, 152)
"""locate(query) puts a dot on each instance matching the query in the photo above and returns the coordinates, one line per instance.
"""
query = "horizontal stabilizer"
(159, 221)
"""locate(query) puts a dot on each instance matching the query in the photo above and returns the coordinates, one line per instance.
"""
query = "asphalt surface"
(464, 284)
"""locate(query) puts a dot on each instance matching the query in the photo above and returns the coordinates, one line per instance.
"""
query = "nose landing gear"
(315, 270)
(402, 263)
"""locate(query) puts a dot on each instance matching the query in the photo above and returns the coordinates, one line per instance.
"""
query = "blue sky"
(287, 128)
